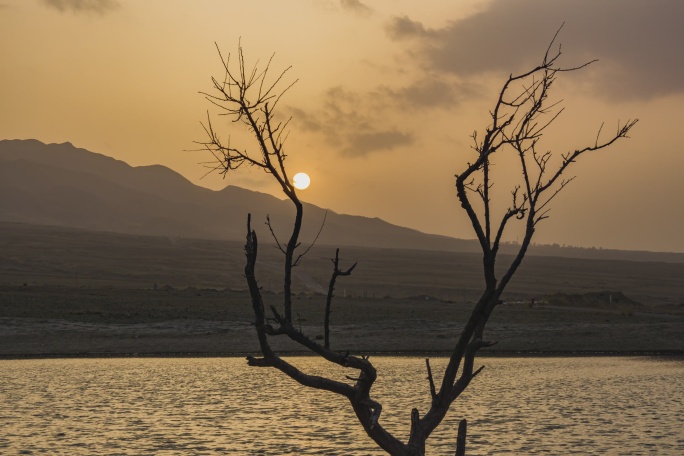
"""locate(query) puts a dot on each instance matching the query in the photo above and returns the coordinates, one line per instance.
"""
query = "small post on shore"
(461, 439)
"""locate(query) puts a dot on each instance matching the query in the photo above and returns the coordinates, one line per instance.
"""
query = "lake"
(207, 406)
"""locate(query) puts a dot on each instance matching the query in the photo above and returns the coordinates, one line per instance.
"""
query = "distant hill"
(62, 185)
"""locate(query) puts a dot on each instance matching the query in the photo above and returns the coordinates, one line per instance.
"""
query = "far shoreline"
(672, 354)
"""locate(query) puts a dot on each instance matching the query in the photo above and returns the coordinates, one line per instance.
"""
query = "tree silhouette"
(521, 114)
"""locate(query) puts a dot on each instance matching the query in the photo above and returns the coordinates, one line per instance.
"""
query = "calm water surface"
(611, 406)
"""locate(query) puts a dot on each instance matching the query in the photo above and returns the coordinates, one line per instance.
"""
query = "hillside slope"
(61, 185)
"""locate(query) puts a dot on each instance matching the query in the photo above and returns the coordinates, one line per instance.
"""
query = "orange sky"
(389, 93)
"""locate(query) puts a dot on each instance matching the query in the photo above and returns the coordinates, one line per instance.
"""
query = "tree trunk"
(461, 439)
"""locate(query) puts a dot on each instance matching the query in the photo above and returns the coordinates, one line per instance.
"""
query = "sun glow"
(301, 181)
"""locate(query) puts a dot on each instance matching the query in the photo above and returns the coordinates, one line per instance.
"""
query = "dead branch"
(320, 230)
(331, 288)
(433, 391)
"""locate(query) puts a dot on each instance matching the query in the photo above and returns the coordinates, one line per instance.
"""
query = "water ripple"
(609, 406)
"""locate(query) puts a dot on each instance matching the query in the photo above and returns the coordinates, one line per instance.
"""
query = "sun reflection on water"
(221, 406)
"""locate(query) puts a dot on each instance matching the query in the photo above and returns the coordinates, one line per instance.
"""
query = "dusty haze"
(388, 94)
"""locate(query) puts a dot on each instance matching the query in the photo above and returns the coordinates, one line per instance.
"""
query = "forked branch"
(331, 289)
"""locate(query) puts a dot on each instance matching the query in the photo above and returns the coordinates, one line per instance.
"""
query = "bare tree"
(521, 114)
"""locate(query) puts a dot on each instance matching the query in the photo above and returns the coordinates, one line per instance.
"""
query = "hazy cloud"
(353, 124)
(358, 124)
(637, 42)
(83, 6)
(360, 144)
(403, 27)
(429, 92)
(355, 6)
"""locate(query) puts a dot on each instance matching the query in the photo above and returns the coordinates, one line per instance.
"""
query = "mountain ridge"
(63, 185)
(51, 183)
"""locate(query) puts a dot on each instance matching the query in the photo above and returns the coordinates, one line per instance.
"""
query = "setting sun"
(301, 181)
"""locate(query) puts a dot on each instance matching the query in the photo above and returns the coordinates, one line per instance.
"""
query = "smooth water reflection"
(612, 406)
